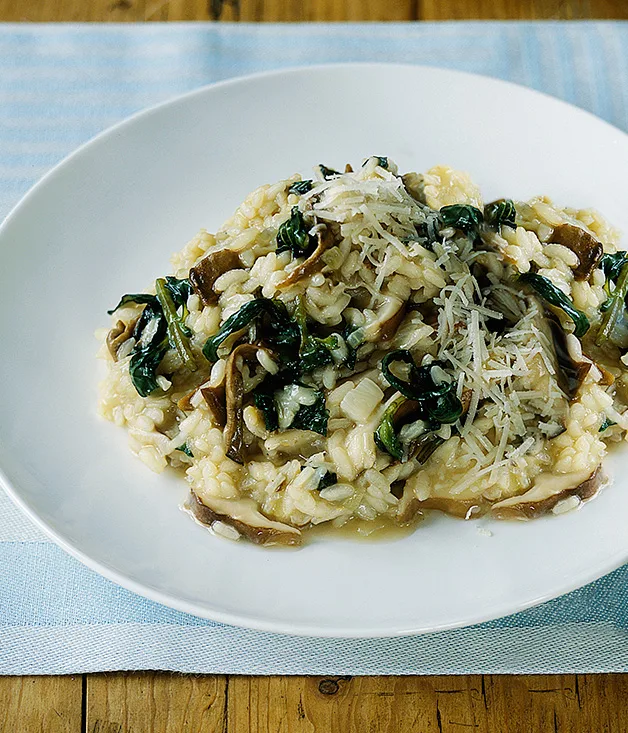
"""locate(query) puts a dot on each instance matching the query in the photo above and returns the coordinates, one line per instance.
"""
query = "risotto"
(362, 347)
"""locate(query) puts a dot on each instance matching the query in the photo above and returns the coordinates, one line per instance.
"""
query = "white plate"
(105, 221)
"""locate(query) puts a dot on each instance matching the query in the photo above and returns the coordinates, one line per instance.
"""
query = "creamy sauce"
(381, 529)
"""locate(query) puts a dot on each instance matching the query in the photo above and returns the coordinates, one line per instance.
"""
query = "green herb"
(279, 330)
(327, 173)
(614, 318)
(606, 424)
(465, 217)
(293, 235)
(438, 403)
(177, 331)
(500, 212)
(385, 436)
(554, 296)
(312, 417)
(328, 479)
(300, 187)
(139, 298)
(185, 449)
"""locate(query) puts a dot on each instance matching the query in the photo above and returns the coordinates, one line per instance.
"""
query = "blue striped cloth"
(59, 85)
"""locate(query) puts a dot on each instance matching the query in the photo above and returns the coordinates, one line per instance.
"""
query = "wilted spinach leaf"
(279, 329)
(554, 296)
(139, 298)
(293, 235)
(327, 173)
(438, 403)
(500, 212)
(328, 479)
(300, 187)
(465, 217)
(312, 417)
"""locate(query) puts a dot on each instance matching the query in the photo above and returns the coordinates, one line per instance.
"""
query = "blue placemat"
(61, 84)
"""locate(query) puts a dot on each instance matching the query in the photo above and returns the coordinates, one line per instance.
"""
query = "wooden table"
(147, 702)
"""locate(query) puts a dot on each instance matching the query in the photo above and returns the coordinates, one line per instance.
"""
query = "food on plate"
(361, 347)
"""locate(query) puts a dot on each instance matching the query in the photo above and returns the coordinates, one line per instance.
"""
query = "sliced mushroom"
(408, 509)
(571, 368)
(324, 240)
(463, 508)
(547, 490)
(234, 397)
(215, 398)
(348, 168)
(389, 316)
(243, 515)
(588, 250)
(120, 333)
(204, 274)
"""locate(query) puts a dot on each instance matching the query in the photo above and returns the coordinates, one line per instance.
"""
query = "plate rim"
(243, 620)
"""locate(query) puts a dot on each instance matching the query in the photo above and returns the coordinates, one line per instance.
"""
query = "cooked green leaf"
(312, 417)
(615, 319)
(278, 329)
(386, 437)
(328, 479)
(293, 235)
(300, 187)
(185, 449)
(465, 217)
(606, 424)
(139, 298)
(176, 328)
(554, 296)
(611, 265)
(143, 367)
(326, 172)
(313, 351)
(500, 212)
(438, 403)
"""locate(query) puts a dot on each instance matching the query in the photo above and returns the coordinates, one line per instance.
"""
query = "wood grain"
(155, 702)
(42, 704)
(305, 10)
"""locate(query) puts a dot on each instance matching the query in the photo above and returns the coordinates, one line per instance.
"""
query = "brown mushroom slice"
(120, 333)
(205, 273)
(462, 508)
(408, 508)
(234, 397)
(244, 516)
(348, 168)
(588, 250)
(215, 398)
(389, 317)
(547, 490)
(311, 265)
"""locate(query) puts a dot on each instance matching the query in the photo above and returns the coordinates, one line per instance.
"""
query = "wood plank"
(155, 702)
(42, 704)
(509, 704)
(521, 9)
